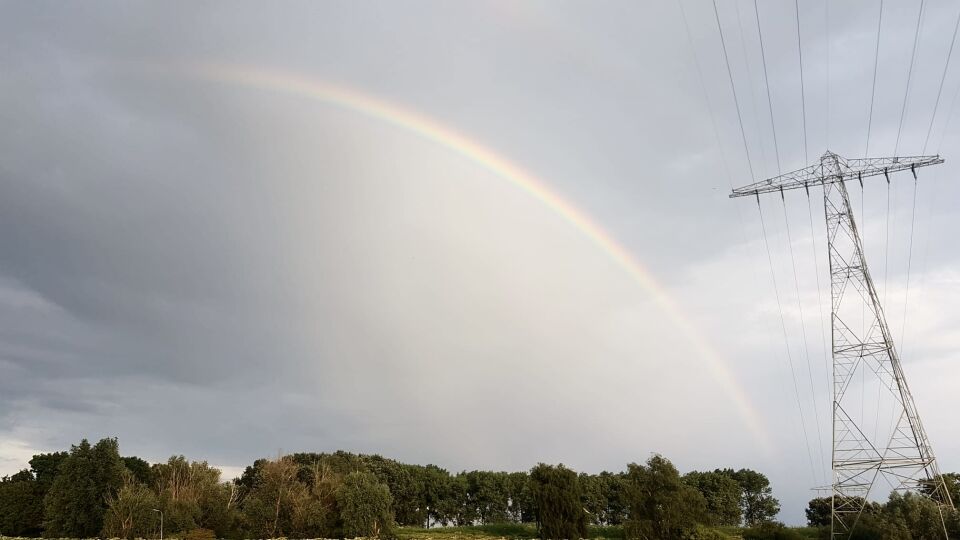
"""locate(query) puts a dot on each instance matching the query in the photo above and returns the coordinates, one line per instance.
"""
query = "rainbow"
(446, 137)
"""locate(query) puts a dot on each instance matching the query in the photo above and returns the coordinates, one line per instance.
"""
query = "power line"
(826, 25)
(906, 93)
(753, 95)
(943, 78)
(946, 126)
(766, 83)
(863, 310)
(713, 121)
(716, 132)
(863, 307)
(933, 198)
(783, 325)
(803, 97)
(733, 87)
(763, 226)
(873, 93)
(706, 98)
(886, 246)
(906, 293)
(933, 117)
(816, 272)
(776, 147)
(803, 330)
(813, 236)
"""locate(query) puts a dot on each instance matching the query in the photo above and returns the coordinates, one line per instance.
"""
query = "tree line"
(91, 490)
(904, 516)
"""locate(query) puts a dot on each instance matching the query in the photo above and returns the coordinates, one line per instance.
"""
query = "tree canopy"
(75, 504)
(92, 490)
(661, 505)
(557, 499)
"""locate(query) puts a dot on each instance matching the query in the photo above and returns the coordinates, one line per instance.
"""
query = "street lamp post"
(161, 522)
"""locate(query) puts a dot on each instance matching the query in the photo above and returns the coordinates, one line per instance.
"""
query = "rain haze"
(480, 235)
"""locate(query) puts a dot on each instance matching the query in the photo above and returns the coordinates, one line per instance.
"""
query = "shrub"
(771, 531)
(705, 533)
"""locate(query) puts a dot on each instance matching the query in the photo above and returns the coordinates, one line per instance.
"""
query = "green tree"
(183, 480)
(22, 495)
(819, 512)
(270, 506)
(556, 497)
(323, 481)
(130, 512)
(456, 506)
(436, 493)
(613, 484)
(661, 505)
(75, 504)
(722, 495)
(250, 475)
(953, 523)
(21, 505)
(220, 511)
(875, 524)
(46, 468)
(919, 514)
(365, 507)
(140, 469)
(487, 493)
(192, 497)
(759, 505)
(405, 487)
(953, 486)
(952, 483)
(520, 497)
(593, 497)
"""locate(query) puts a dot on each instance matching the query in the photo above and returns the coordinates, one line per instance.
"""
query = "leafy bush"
(772, 531)
(706, 533)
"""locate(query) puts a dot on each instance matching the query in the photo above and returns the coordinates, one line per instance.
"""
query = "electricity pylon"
(866, 447)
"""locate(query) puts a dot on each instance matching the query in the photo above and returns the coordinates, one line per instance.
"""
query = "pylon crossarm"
(833, 168)
(792, 180)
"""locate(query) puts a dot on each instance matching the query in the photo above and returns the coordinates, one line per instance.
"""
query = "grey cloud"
(198, 267)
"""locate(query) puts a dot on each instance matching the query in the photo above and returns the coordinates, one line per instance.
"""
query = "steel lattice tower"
(866, 447)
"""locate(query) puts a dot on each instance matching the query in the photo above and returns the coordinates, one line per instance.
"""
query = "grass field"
(526, 531)
(509, 531)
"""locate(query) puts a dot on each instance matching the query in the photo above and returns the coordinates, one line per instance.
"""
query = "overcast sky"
(229, 270)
